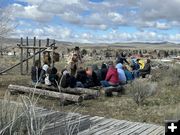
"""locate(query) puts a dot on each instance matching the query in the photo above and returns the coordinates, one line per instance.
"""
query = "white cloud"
(104, 16)
(112, 14)
(31, 12)
(162, 26)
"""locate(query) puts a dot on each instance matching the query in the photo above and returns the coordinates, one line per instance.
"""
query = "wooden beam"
(47, 42)
(40, 52)
(32, 47)
(53, 53)
(34, 51)
(21, 62)
(62, 96)
(27, 52)
(21, 59)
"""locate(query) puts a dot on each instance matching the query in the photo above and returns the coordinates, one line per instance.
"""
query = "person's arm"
(126, 60)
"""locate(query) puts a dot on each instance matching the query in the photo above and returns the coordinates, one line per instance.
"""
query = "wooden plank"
(118, 128)
(142, 129)
(100, 128)
(158, 131)
(97, 127)
(62, 96)
(149, 130)
(117, 123)
(96, 119)
(33, 47)
(132, 130)
(126, 128)
(65, 126)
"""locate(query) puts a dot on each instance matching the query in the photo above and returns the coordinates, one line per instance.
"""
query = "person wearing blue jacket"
(121, 74)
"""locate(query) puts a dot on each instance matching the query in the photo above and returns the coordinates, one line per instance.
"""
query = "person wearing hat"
(76, 60)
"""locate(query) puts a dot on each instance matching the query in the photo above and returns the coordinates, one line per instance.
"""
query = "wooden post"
(34, 51)
(21, 59)
(40, 52)
(47, 42)
(27, 52)
(53, 53)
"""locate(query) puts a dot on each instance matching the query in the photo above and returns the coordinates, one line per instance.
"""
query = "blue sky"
(96, 20)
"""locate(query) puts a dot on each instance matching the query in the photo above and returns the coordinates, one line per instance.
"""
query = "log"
(114, 89)
(110, 91)
(62, 96)
(77, 91)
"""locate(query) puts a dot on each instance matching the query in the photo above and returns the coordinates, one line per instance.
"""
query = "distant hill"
(14, 41)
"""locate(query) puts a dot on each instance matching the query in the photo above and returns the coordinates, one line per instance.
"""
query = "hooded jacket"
(121, 74)
(112, 76)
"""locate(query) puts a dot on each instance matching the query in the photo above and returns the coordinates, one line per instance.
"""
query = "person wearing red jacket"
(111, 76)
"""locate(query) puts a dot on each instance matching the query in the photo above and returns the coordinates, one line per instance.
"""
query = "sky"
(96, 21)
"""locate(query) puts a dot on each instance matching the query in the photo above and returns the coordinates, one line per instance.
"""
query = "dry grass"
(154, 109)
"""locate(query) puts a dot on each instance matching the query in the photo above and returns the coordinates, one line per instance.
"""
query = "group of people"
(110, 74)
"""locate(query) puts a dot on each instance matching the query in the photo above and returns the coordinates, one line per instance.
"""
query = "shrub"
(140, 89)
(20, 118)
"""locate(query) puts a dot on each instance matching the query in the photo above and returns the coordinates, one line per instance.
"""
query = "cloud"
(151, 19)
(30, 12)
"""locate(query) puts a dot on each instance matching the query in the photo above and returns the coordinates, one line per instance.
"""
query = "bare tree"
(5, 21)
(6, 25)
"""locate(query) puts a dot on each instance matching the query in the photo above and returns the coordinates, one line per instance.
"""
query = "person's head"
(37, 63)
(75, 58)
(137, 60)
(124, 67)
(148, 61)
(119, 66)
(123, 54)
(54, 70)
(77, 49)
(103, 66)
(89, 71)
(64, 71)
(110, 64)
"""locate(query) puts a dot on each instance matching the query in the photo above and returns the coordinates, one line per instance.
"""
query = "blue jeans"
(79, 84)
(105, 83)
(136, 74)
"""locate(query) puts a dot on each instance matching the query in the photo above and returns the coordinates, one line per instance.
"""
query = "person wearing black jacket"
(122, 58)
(146, 70)
(103, 70)
(35, 72)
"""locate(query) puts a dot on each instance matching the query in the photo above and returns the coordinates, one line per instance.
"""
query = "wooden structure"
(37, 50)
(74, 123)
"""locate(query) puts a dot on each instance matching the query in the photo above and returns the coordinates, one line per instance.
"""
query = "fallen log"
(61, 96)
(109, 91)
(77, 91)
